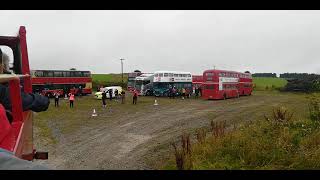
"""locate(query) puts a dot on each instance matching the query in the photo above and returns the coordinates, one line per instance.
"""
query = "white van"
(98, 95)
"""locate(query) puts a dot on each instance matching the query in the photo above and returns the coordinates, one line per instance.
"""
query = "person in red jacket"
(135, 97)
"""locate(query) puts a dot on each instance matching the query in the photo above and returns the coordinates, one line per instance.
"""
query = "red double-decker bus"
(197, 81)
(221, 84)
(47, 82)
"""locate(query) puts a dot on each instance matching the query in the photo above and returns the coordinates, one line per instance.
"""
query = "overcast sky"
(258, 41)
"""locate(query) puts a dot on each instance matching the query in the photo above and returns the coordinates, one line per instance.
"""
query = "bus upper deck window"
(170, 74)
(184, 75)
(176, 75)
(189, 75)
(156, 75)
(209, 74)
(180, 75)
(161, 75)
(165, 74)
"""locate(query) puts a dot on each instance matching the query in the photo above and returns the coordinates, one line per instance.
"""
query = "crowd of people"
(184, 92)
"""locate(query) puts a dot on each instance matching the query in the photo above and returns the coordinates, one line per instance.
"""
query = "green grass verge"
(268, 83)
(272, 142)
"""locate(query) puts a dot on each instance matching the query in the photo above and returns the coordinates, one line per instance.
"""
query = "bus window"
(209, 74)
(170, 74)
(39, 74)
(77, 74)
(156, 75)
(72, 74)
(176, 75)
(48, 74)
(161, 75)
(66, 74)
(209, 78)
(58, 74)
(189, 75)
(180, 75)
(184, 75)
(86, 74)
(165, 75)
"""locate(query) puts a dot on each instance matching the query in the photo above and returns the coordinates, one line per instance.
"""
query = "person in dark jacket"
(30, 101)
(116, 93)
(104, 97)
(56, 99)
(110, 94)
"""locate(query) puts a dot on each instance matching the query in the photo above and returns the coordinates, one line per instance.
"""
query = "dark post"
(122, 70)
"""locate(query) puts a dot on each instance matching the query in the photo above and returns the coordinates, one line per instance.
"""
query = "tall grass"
(277, 141)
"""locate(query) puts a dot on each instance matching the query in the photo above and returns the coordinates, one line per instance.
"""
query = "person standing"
(56, 99)
(80, 91)
(174, 91)
(110, 94)
(183, 93)
(135, 97)
(170, 92)
(123, 95)
(188, 92)
(71, 99)
(104, 97)
(116, 94)
(196, 92)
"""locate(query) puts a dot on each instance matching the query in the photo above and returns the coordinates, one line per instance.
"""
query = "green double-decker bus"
(163, 80)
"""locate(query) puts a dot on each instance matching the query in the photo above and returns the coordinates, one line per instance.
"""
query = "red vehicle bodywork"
(50, 93)
(221, 84)
(17, 137)
(197, 80)
(63, 81)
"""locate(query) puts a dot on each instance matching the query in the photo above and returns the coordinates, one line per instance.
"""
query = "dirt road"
(139, 139)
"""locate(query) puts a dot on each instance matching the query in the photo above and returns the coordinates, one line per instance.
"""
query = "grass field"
(262, 82)
(108, 80)
(109, 77)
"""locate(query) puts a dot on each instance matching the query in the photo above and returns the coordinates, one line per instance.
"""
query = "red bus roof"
(218, 71)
